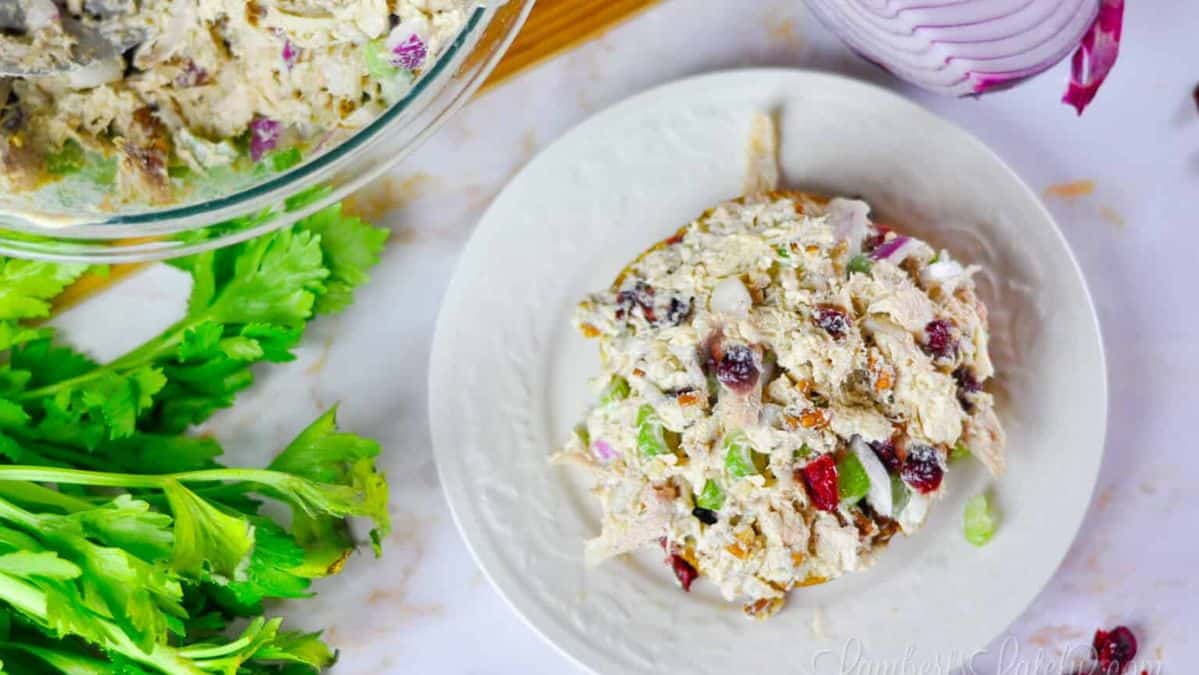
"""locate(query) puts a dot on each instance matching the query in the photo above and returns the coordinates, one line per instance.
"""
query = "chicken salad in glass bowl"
(226, 109)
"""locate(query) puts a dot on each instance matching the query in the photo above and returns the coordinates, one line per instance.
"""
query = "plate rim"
(453, 488)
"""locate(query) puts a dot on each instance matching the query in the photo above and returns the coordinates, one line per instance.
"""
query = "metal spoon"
(94, 38)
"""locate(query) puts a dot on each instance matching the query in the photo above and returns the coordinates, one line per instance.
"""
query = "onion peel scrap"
(1096, 55)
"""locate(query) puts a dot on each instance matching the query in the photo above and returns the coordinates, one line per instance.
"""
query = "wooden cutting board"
(553, 27)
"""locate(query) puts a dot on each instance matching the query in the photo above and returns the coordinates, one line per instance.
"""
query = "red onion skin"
(1095, 56)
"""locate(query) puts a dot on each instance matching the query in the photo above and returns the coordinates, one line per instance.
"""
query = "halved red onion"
(963, 47)
(1096, 55)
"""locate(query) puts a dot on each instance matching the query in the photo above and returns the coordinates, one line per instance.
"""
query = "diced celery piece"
(959, 451)
(979, 520)
(282, 160)
(651, 435)
(617, 390)
(852, 481)
(378, 65)
(804, 452)
(738, 455)
(711, 498)
(68, 159)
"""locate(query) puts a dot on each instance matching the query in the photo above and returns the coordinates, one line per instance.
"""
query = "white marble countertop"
(426, 608)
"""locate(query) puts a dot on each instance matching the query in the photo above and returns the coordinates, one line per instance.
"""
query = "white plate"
(508, 378)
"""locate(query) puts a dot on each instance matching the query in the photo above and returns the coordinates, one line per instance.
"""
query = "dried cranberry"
(921, 468)
(736, 369)
(966, 385)
(939, 340)
(640, 295)
(875, 240)
(833, 320)
(705, 516)
(683, 571)
(678, 311)
(966, 380)
(886, 454)
(820, 477)
(1114, 649)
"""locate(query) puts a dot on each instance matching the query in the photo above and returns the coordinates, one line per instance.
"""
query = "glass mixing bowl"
(62, 234)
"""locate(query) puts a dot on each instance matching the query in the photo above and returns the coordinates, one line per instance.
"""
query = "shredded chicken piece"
(762, 171)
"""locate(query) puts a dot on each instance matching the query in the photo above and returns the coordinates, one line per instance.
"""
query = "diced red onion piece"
(850, 221)
(960, 48)
(1095, 55)
(409, 53)
(264, 136)
(290, 53)
(891, 249)
(879, 495)
(603, 450)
